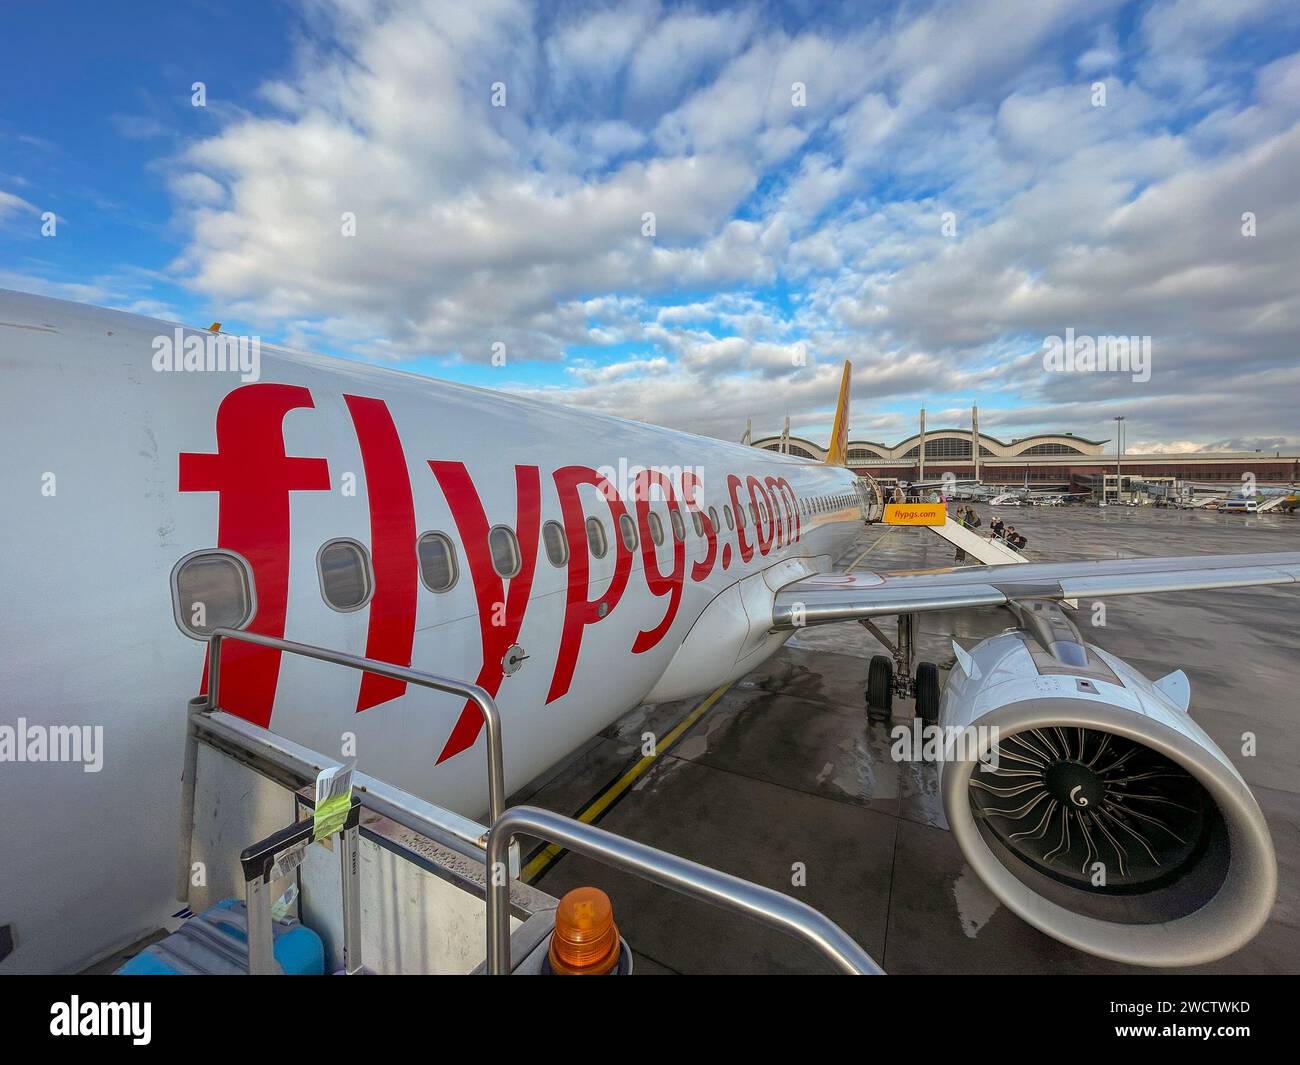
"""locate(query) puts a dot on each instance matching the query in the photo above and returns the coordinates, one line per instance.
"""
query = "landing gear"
(927, 692)
(880, 686)
(890, 675)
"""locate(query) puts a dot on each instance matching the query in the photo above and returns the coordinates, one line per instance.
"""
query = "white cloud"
(1102, 56)
(1181, 36)
(680, 49)
(139, 127)
(12, 204)
(123, 293)
(776, 224)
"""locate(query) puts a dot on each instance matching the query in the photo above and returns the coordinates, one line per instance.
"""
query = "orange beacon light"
(586, 940)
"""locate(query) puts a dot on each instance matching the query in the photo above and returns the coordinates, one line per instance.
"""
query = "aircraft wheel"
(927, 692)
(880, 685)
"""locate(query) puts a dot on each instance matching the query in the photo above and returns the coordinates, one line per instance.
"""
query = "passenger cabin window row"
(627, 530)
(213, 588)
(557, 544)
(827, 504)
(505, 550)
(437, 558)
(346, 583)
(679, 529)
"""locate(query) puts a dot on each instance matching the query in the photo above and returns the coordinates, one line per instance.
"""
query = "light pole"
(1119, 450)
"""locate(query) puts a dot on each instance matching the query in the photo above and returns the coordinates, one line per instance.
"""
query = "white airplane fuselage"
(115, 470)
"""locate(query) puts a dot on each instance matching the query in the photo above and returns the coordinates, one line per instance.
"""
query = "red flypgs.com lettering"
(254, 478)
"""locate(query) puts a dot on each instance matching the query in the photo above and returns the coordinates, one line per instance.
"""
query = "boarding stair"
(481, 862)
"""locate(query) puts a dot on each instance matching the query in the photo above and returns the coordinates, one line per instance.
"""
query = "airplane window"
(437, 557)
(713, 518)
(596, 541)
(699, 522)
(656, 528)
(212, 590)
(762, 512)
(343, 567)
(557, 544)
(505, 550)
(627, 530)
(753, 513)
(679, 530)
(726, 513)
(740, 516)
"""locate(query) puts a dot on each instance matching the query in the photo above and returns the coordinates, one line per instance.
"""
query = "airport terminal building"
(1049, 461)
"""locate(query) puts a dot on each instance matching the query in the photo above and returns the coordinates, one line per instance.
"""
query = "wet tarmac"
(785, 782)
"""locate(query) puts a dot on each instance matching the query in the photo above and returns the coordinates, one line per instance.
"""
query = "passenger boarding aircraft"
(574, 565)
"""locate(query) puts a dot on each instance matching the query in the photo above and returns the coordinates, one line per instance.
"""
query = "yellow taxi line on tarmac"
(602, 802)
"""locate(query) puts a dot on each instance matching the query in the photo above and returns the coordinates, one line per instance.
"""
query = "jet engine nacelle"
(1108, 819)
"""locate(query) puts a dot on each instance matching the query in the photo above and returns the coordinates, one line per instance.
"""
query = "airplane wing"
(828, 597)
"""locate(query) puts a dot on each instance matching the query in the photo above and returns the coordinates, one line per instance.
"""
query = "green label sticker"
(333, 799)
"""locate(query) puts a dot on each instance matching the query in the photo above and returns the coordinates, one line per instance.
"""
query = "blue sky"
(930, 190)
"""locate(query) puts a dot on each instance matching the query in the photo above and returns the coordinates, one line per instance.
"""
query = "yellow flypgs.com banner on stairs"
(916, 514)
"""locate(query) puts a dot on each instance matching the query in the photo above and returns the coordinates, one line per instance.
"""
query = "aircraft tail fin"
(838, 452)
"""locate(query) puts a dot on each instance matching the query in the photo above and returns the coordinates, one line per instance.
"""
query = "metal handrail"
(667, 870)
(487, 706)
